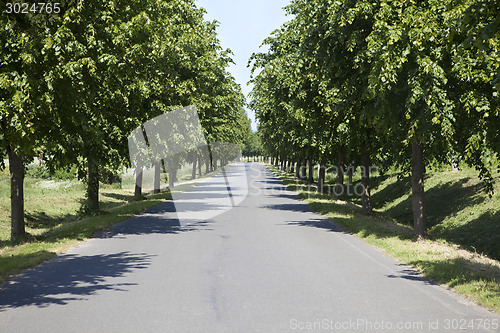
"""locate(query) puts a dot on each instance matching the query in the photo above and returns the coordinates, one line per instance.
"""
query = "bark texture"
(92, 186)
(340, 171)
(366, 200)
(417, 189)
(16, 168)
(138, 182)
(321, 175)
(156, 187)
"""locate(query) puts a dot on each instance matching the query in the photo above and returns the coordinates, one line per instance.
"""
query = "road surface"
(261, 262)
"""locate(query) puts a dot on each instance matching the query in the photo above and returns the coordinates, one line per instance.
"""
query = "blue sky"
(243, 25)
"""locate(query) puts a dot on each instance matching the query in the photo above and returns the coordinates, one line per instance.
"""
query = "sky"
(243, 26)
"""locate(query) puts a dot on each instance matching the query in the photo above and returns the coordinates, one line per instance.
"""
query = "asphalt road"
(237, 258)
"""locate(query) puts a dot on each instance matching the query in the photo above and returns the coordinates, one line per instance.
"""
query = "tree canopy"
(75, 84)
(385, 82)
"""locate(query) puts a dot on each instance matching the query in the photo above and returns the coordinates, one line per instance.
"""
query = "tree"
(410, 53)
(24, 116)
(252, 144)
(126, 74)
(79, 82)
(412, 82)
(475, 81)
(88, 86)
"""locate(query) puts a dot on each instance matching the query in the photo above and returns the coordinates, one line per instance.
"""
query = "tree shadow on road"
(318, 223)
(70, 277)
(157, 220)
(412, 275)
(291, 207)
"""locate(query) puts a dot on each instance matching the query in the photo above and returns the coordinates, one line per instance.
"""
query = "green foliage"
(380, 75)
(252, 145)
(65, 173)
(74, 85)
(38, 170)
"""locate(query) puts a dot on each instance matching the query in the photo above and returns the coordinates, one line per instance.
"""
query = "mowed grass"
(462, 217)
(457, 207)
(53, 221)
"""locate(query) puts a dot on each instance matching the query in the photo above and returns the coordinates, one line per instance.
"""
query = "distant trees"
(387, 82)
(77, 83)
(252, 145)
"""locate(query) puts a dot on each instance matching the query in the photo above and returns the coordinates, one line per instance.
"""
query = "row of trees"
(252, 145)
(385, 82)
(73, 85)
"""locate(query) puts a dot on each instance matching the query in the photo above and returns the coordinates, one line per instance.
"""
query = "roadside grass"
(53, 221)
(457, 207)
(438, 258)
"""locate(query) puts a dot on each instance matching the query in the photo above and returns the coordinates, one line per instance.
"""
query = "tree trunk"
(199, 165)
(297, 168)
(92, 186)
(138, 182)
(417, 186)
(366, 200)
(16, 168)
(193, 173)
(303, 169)
(310, 179)
(339, 186)
(321, 175)
(276, 161)
(171, 177)
(157, 181)
(292, 166)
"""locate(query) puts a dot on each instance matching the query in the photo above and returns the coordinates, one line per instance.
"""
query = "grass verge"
(466, 272)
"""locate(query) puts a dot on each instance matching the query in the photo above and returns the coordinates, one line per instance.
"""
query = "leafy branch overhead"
(74, 85)
(391, 82)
